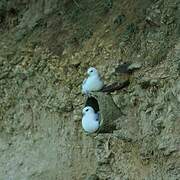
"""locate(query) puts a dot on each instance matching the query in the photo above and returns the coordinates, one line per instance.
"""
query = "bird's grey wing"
(84, 81)
(84, 91)
(97, 116)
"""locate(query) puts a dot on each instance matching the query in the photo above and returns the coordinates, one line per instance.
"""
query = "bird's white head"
(92, 71)
(88, 109)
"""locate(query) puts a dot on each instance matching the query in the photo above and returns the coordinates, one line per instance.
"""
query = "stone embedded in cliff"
(128, 67)
(92, 177)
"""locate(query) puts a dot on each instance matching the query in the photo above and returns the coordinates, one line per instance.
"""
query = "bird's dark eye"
(87, 110)
(91, 71)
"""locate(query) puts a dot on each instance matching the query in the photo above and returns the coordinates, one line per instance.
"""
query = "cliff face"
(46, 48)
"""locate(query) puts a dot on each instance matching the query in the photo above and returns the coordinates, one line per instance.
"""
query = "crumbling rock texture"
(46, 48)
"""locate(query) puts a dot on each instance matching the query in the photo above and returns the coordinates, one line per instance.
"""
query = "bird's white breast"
(90, 123)
(93, 83)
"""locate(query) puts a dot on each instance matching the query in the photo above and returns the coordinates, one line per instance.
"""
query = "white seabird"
(90, 120)
(93, 82)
